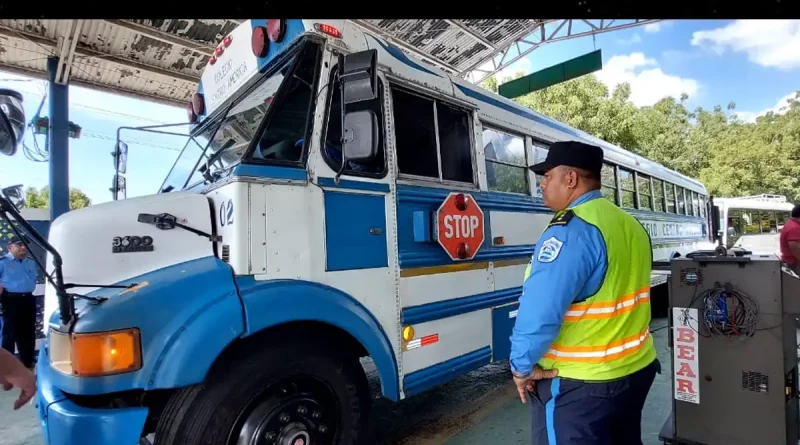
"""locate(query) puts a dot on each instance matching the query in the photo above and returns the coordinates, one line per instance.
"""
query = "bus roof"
(757, 202)
(492, 108)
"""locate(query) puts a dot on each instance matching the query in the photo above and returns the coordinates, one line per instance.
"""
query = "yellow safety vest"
(607, 336)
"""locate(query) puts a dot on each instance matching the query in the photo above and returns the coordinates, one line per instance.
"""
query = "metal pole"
(58, 140)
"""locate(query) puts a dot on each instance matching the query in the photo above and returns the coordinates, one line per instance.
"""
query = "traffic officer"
(17, 281)
(581, 347)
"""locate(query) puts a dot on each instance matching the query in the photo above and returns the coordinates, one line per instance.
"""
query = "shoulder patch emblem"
(562, 218)
(551, 247)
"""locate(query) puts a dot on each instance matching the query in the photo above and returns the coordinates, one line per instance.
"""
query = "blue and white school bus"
(269, 263)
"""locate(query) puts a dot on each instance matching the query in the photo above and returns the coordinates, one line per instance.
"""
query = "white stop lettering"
(460, 226)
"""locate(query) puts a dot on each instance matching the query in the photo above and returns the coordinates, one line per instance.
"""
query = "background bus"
(753, 222)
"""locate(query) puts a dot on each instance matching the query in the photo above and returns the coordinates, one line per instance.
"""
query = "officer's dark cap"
(15, 240)
(572, 154)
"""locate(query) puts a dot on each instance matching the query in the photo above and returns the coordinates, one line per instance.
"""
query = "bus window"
(289, 123)
(670, 197)
(645, 194)
(768, 222)
(455, 143)
(418, 142)
(736, 226)
(332, 150)
(506, 166)
(609, 183)
(626, 188)
(695, 204)
(658, 195)
(702, 205)
(681, 201)
(539, 155)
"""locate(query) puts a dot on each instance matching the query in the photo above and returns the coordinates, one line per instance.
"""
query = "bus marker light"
(408, 333)
(276, 29)
(327, 29)
(259, 42)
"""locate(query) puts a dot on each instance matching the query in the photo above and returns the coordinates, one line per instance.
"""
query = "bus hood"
(104, 244)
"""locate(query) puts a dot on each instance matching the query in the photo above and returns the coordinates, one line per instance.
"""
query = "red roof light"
(259, 42)
(276, 29)
(328, 29)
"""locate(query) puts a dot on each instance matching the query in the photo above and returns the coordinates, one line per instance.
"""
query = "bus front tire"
(294, 394)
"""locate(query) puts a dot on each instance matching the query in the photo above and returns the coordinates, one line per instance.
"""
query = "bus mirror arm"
(358, 82)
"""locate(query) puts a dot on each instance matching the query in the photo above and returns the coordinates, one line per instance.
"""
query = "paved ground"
(479, 408)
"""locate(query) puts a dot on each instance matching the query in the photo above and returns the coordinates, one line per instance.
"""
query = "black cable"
(727, 311)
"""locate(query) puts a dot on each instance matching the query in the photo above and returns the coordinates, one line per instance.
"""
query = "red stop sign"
(459, 226)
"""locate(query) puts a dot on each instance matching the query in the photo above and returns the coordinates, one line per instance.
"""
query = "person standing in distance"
(789, 240)
(581, 348)
(17, 282)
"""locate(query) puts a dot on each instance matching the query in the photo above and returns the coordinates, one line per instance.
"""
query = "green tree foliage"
(730, 156)
(40, 199)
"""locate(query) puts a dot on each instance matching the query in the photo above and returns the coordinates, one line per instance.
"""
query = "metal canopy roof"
(162, 60)
(477, 48)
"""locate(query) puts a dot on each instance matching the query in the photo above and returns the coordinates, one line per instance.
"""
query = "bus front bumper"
(65, 423)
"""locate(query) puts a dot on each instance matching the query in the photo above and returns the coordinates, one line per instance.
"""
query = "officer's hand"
(527, 384)
(14, 373)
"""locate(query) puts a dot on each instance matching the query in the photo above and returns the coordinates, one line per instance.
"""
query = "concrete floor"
(479, 408)
(510, 423)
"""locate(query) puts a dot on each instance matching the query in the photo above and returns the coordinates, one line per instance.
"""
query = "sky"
(753, 63)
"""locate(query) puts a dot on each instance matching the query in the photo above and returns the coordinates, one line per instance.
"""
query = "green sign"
(562, 72)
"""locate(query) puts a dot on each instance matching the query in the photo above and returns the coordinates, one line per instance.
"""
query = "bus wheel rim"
(288, 416)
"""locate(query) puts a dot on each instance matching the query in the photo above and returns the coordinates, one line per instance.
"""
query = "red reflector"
(212, 60)
(276, 29)
(462, 251)
(327, 29)
(259, 42)
(219, 51)
(461, 202)
(226, 42)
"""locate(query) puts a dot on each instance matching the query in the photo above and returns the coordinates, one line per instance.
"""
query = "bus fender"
(274, 302)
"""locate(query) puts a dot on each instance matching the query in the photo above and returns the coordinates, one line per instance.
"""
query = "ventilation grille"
(755, 381)
(226, 253)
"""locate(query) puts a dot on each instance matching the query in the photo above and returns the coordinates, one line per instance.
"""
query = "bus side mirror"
(15, 195)
(120, 155)
(358, 77)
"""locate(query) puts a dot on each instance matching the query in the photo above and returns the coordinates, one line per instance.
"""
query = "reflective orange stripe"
(599, 354)
(595, 311)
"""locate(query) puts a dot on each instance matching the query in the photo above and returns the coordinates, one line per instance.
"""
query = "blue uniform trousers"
(571, 412)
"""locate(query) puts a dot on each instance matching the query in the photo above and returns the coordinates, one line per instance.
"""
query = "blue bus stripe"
(550, 410)
(427, 378)
(448, 308)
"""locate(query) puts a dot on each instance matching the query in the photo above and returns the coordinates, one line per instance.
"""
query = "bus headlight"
(97, 353)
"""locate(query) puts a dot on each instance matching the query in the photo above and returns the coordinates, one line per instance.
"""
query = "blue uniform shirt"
(569, 269)
(18, 276)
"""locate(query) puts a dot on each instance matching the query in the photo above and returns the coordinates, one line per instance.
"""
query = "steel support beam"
(58, 139)
(164, 36)
(86, 52)
(538, 37)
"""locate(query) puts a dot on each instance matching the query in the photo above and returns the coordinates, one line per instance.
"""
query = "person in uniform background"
(581, 349)
(17, 282)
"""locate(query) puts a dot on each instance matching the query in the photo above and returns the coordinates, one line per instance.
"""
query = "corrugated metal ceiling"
(163, 59)
(158, 59)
